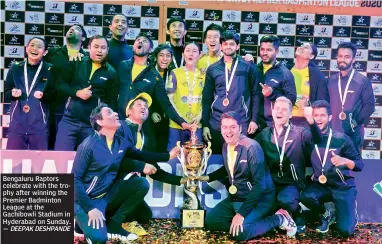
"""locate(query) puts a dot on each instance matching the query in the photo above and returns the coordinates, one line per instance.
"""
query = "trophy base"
(192, 218)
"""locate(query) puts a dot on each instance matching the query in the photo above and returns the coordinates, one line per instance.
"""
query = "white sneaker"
(129, 237)
(288, 223)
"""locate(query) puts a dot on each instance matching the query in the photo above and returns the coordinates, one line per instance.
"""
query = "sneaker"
(300, 222)
(135, 228)
(326, 220)
(77, 231)
(288, 223)
(115, 231)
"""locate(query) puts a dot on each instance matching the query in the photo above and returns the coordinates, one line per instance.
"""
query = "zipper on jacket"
(212, 105)
(341, 175)
(99, 101)
(67, 103)
(13, 111)
(245, 107)
(94, 181)
(249, 185)
(43, 114)
(293, 170)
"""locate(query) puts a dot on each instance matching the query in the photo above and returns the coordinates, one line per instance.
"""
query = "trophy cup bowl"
(193, 157)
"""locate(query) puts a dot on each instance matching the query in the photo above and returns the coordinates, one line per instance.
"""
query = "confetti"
(169, 231)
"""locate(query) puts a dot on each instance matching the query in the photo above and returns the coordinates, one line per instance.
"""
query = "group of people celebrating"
(268, 121)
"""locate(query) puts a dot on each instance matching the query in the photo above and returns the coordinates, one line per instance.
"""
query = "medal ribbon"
(27, 88)
(346, 88)
(175, 63)
(326, 150)
(165, 82)
(229, 157)
(283, 146)
(229, 82)
(190, 89)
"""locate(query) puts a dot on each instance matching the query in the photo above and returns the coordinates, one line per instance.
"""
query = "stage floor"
(167, 231)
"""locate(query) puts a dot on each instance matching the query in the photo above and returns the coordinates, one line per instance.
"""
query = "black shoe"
(300, 222)
(327, 219)
(77, 231)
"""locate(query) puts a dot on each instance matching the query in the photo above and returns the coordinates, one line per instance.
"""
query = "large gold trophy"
(194, 156)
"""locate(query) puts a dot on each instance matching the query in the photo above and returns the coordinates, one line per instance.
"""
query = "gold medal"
(342, 115)
(26, 108)
(225, 102)
(232, 189)
(322, 179)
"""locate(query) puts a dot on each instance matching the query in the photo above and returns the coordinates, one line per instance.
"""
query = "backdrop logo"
(14, 29)
(14, 5)
(268, 18)
(378, 188)
(371, 3)
(93, 8)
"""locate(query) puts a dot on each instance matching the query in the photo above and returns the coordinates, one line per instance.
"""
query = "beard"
(228, 53)
(270, 60)
(73, 39)
(140, 54)
(346, 67)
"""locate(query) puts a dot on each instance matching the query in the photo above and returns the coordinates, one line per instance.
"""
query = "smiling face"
(139, 111)
(321, 118)
(281, 113)
(110, 120)
(191, 53)
(177, 30)
(164, 59)
(35, 50)
(229, 47)
(142, 46)
(213, 40)
(231, 131)
(98, 50)
(118, 26)
(268, 52)
(305, 51)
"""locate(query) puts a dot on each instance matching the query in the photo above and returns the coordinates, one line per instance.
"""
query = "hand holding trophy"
(194, 156)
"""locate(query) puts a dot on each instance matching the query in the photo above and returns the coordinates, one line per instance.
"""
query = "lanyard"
(229, 82)
(229, 161)
(174, 61)
(283, 146)
(27, 88)
(326, 150)
(343, 99)
(190, 89)
(143, 141)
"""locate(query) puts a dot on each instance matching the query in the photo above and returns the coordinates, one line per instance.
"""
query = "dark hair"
(322, 104)
(139, 98)
(96, 37)
(314, 49)
(162, 47)
(172, 20)
(229, 36)
(96, 114)
(348, 45)
(231, 115)
(214, 27)
(272, 39)
(189, 43)
(144, 34)
(121, 14)
(41, 39)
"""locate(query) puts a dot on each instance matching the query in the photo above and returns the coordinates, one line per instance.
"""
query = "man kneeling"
(246, 211)
(97, 192)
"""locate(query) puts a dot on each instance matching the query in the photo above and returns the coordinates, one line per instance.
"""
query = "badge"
(232, 189)
(322, 179)
(225, 102)
(26, 108)
(342, 115)
(189, 115)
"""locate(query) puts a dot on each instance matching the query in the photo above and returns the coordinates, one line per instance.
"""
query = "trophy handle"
(207, 154)
(181, 158)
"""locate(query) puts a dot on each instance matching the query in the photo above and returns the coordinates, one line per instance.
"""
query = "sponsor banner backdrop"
(325, 23)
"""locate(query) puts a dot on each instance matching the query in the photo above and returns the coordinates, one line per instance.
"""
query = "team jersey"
(301, 80)
(178, 90)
